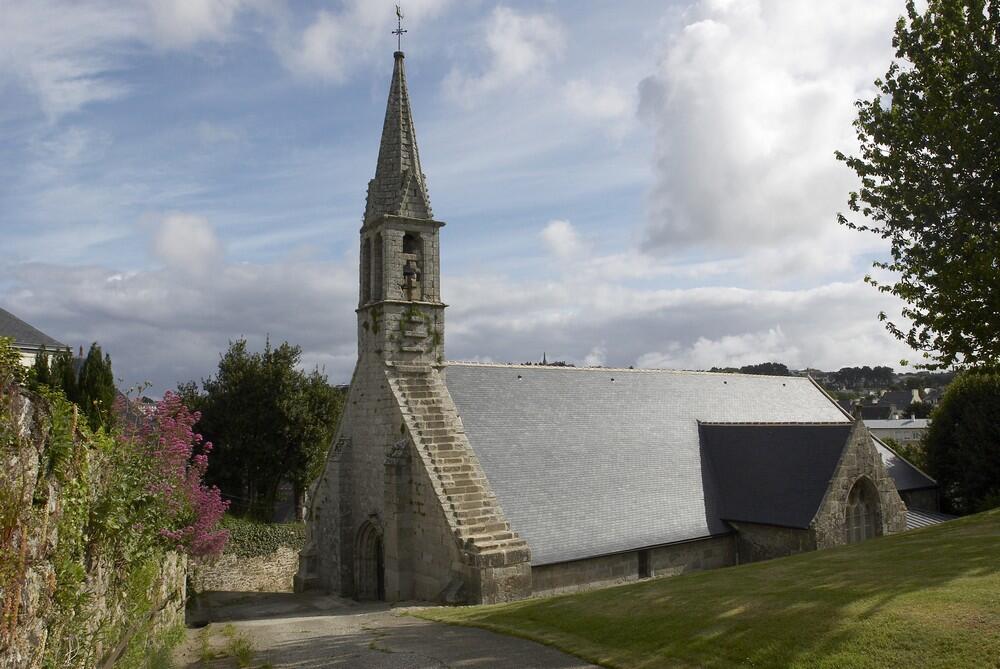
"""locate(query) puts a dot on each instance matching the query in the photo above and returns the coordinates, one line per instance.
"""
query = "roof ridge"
(517, 365)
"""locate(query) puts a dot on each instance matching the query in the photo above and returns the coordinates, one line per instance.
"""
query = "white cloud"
(66, 53)
(181, 23)
(605, 102)
(519, 46)
(749, 102)
(726, 351)
(562, 240)
(187, 244)
(334, 43)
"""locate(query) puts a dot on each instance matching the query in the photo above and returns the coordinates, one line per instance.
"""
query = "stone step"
(415, 334)
(490, 528)
(454, 469)
(412, 349)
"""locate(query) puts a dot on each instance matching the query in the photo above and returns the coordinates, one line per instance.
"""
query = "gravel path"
(310, 632)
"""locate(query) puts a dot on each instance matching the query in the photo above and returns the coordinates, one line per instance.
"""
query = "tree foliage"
(270, 423)
(90, 383)
(929, 165)
(963, 443)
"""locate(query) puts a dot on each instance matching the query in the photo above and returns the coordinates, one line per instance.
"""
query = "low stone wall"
(669, 560)
(273, 572)
(757, 542)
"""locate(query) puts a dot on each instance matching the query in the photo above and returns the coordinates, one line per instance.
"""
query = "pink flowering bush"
(176, 458)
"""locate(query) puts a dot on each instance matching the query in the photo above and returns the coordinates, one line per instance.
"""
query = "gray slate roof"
(588, 462)
(24, 334)
(905, 475)
(916, 518)
(772, 474)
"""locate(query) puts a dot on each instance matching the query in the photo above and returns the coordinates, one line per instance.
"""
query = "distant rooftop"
(898, 424)
(25, 335)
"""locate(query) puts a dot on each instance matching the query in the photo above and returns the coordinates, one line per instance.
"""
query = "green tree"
(96, 390)
(767, 369)
(962, 445)
(929, 165)
(40, 369)
(269, 422)
(63, 375)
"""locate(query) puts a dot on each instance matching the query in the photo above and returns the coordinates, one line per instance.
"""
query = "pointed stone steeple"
(399, 187)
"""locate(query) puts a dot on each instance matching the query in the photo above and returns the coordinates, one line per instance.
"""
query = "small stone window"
(366, 271)
(377, 269)
(411, 243)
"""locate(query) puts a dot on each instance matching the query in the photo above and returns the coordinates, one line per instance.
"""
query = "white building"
(28, 340)
(901, 430)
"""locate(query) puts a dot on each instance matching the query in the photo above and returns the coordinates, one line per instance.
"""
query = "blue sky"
(628, 183)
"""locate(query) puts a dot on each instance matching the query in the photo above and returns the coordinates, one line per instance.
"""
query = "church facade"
(458, 482)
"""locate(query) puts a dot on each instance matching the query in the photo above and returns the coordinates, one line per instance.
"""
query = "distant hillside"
(927, 598)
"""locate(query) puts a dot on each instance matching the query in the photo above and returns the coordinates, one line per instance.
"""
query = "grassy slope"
(928, 598)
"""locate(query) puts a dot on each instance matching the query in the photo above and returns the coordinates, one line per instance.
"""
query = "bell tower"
(400, 313)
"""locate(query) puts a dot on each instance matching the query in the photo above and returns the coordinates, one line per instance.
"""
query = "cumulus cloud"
(64, 53)
(181, 23)
(187, 243)
(335, 42)
(519, 46)
(169, 325)
(748, 104)
(605, 102)
(562, 240)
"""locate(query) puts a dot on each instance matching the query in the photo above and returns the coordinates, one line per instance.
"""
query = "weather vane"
(398, 32)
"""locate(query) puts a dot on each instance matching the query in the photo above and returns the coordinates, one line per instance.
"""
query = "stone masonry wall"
(273, 572)
(755, 542)
(670, 560)
(33, 508)
(859, 459)
(925, 499)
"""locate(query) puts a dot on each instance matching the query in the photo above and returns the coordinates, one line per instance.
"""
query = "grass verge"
(928, 598)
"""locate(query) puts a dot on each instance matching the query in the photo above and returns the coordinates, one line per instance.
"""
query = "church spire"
(399, 187)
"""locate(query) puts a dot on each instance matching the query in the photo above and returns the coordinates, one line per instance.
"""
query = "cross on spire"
(398, 32)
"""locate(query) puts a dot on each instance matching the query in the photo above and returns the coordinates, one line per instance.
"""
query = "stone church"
(481, 483)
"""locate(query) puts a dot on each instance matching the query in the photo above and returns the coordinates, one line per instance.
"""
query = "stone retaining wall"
(267, 573)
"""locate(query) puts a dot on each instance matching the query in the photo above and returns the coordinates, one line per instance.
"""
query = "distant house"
(28, 340)
(868, 411)
(900, 430)
(897, 401)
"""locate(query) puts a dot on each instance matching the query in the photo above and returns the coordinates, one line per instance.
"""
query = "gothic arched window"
(413, 260)
(862, 514)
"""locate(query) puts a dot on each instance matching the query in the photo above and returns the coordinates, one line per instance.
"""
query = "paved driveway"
(311, 631)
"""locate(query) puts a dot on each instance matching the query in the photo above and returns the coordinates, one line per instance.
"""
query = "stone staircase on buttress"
(470, 506)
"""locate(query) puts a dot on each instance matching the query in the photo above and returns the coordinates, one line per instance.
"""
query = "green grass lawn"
(927, 598)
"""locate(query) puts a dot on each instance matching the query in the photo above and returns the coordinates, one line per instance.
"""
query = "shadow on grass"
(923, 598)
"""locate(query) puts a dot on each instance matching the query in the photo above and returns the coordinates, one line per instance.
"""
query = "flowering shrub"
(176, 458)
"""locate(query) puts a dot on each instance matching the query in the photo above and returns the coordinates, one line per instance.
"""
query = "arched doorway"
(863, 516)
(369, 563)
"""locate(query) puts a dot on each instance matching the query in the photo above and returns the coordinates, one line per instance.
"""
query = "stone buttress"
(403, 509)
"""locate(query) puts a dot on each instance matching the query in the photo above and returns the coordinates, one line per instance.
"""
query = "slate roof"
(589, 462)
(916, 518)
(899, 424)
(905, 475)
(772, 474)
(896, 398)
(24, 334)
